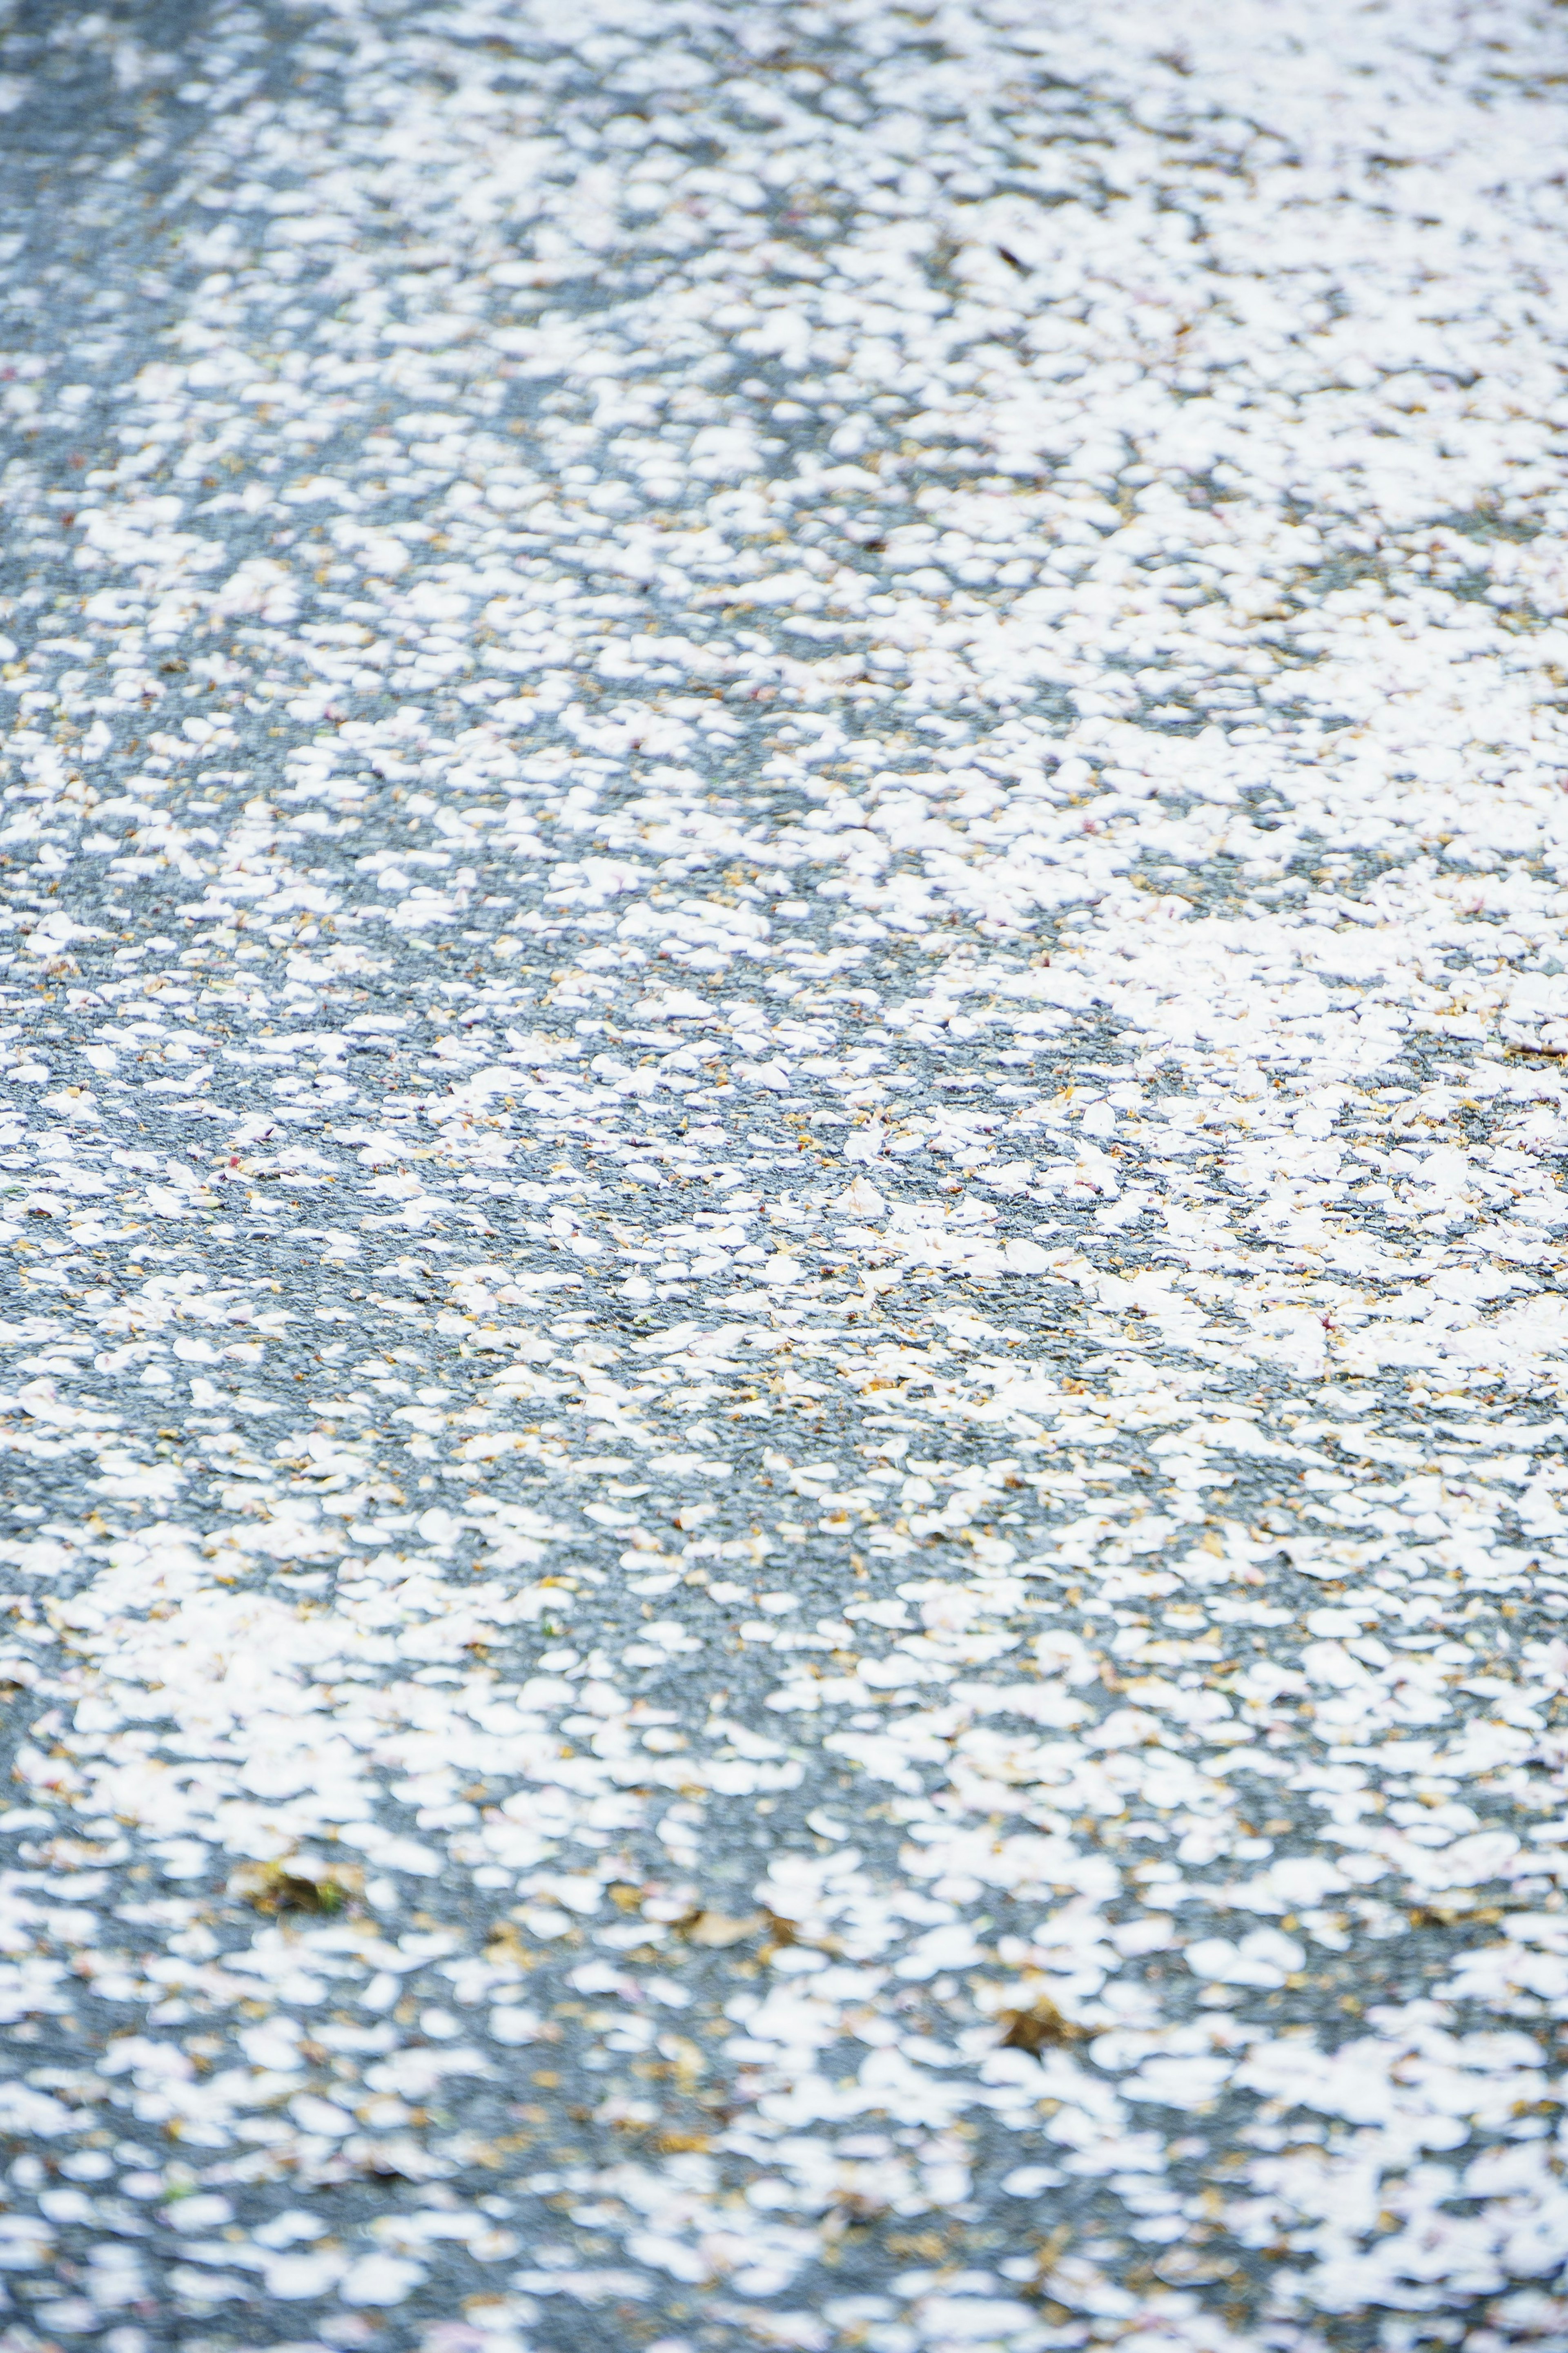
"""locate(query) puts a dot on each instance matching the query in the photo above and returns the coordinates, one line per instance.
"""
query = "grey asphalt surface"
(781, 991)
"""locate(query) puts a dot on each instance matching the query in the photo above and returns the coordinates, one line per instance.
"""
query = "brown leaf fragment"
(1040, 2027)
(300, 1885)
(715, 1930)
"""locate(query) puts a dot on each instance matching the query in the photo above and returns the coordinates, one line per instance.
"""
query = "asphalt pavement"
(783, 1003)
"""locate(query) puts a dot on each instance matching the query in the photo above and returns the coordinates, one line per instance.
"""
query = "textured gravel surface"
(783, 1002)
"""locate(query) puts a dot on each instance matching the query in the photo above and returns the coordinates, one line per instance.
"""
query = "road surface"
(783, 1006)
